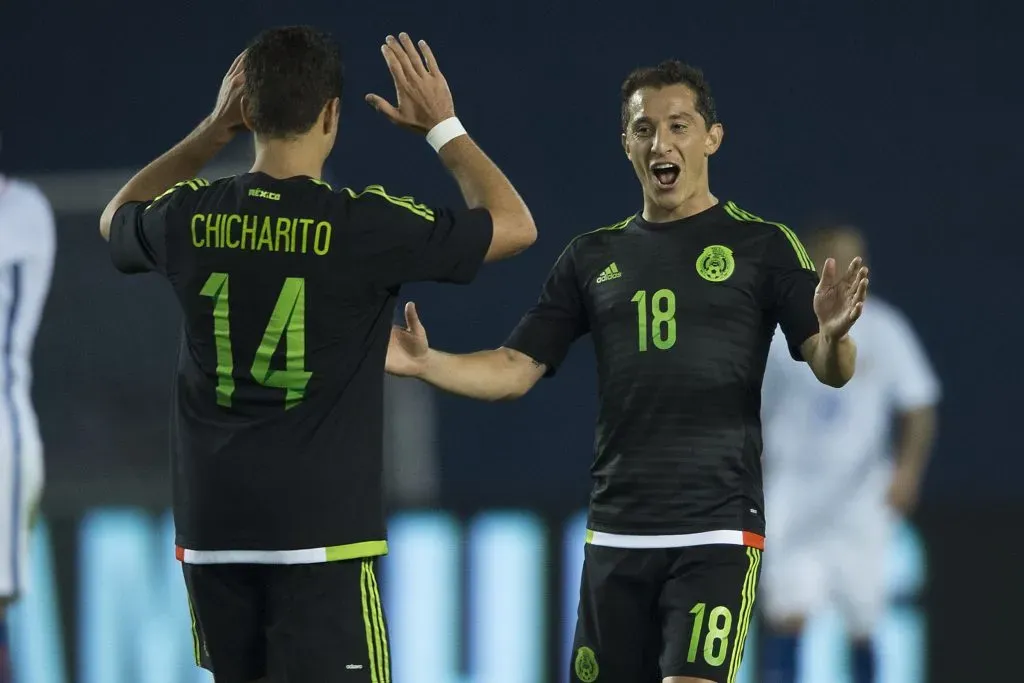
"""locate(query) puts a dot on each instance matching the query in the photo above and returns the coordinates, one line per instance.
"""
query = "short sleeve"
(410, 242)
(915, 384)
(548, 330)
(792, 281)
(138, 231)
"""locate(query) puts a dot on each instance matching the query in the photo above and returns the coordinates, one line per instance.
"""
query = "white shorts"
(841, 565)
(21, 487)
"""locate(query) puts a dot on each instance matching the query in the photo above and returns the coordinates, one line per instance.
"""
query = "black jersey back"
(288, 290)
(682, 315)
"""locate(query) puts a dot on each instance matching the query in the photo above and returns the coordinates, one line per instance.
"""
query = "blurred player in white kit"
(841, 465)
(27, 249)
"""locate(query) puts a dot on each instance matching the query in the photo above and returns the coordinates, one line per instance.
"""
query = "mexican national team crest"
(715, 263)
(586, 665)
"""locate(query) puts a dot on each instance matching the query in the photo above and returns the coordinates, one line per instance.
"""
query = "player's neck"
(691, 206)
(287, 159)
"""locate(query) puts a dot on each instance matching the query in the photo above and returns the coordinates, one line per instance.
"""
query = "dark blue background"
(901, 117)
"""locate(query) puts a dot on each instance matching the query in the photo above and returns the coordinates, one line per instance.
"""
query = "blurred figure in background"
(840, 466)
(27, 249)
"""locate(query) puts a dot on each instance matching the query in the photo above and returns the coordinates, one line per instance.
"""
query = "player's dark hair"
(671, 72)
(291, 72)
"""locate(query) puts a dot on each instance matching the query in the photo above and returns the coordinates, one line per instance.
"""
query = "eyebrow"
(673, 117)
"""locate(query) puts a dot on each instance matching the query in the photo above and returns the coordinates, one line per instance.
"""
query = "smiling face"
(669, 142)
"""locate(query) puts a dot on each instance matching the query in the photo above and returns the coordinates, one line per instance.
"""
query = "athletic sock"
(6, 674)
(863, 660)
(778, 658)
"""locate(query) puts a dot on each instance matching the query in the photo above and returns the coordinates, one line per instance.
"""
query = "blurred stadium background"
(887, 114)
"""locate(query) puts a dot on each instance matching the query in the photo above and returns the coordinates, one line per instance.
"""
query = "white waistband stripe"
(720, 537)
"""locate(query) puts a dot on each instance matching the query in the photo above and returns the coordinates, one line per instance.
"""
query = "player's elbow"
(514, 391)
(514, 233)
(518, 374)
(834, 382)
(836, 377)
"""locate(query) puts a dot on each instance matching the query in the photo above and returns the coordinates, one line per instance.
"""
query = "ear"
(625, 146)
(713, 139)
(246, 119)
(331, 114)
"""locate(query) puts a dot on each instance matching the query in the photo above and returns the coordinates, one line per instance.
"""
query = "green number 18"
(663, 320)
(717, 641)
(288, 320)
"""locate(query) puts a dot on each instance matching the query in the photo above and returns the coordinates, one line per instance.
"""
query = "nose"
(659, 145)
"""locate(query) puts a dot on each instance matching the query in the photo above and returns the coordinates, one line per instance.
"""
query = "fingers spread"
(862, 290)
(855, 312)
(428, 56)
(395, 65)
(414, 56)
(384, 107)
(854, 267)
(828, 271)
(398, 51)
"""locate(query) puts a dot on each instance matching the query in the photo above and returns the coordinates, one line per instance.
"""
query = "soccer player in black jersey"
(287, 290)
(681, 301)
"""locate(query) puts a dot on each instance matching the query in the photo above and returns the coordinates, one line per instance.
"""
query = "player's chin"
(667, 198)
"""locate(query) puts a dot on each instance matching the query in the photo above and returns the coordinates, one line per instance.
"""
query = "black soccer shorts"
(303, 623)
(646, 614)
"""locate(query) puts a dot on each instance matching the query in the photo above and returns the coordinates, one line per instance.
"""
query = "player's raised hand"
(839, 300)
(422, 97)
(408, 348)
(227, 112)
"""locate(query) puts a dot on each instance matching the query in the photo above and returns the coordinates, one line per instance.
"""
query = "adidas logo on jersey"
(609, 273)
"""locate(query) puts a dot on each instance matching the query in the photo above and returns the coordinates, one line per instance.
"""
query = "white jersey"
(826, 447)
(27, 249)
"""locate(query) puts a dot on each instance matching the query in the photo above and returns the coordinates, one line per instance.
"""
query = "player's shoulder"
(184, 191)
(598, 236)
(377, 199)
(25, 208)
(734, 215)
(18, 194)
(780, 240)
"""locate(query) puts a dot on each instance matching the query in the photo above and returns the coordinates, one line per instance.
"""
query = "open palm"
(839, 300)
(408, 346)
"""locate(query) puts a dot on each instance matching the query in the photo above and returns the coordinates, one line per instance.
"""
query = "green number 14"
(662, 318)
(288, 320)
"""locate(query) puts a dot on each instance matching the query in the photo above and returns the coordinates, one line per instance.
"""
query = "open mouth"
(665, 174)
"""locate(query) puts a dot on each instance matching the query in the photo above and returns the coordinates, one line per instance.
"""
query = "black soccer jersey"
(682, 315)
(288, 290)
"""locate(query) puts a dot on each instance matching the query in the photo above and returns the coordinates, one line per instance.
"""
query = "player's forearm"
(483, 185)
(916, 435)
(494, 375)
(833, 361)
(183, 161)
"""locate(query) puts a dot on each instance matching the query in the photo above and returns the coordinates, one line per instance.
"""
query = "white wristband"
(444, 132)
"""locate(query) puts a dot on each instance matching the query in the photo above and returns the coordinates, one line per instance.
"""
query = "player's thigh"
(327, 624)
(227, 607)
(794, 581)
(859, 573)
(618, 634)
(706, 604)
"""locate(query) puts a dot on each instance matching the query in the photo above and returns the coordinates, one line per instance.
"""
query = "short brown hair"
(671, 72)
